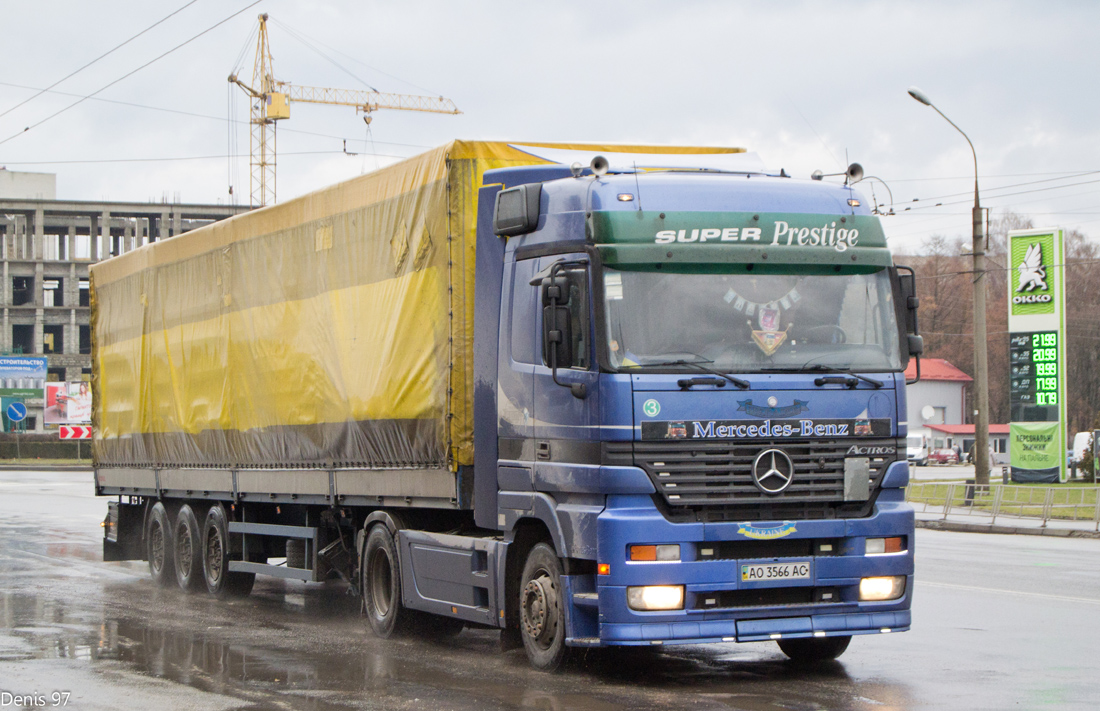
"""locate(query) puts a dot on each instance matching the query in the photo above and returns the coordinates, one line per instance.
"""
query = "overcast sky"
(807, 85)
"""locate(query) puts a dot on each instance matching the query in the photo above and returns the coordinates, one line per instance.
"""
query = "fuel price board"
(1034, 360)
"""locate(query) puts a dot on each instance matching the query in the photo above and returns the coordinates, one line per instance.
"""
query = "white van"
(917, 449)
(1082, 443)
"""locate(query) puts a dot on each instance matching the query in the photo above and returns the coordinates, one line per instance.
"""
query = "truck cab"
(698, 386)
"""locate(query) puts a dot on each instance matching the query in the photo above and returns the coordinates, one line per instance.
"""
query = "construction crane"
(271, 100)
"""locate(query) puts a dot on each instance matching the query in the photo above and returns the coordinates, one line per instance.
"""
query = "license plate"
(797, 570)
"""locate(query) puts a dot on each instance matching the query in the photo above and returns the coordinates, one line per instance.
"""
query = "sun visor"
(627, 162)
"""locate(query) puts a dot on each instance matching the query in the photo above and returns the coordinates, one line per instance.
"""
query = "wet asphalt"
(1000, 622)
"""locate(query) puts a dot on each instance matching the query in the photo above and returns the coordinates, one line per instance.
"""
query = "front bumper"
(714, 610)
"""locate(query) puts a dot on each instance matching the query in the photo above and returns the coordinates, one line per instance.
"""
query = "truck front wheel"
(816, 649)
(159, 546)
(542, 610)
(216, 556)
(381, 585)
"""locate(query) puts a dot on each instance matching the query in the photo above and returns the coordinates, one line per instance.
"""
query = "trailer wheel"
(159, 546)
(815, 649)
(541, 609)
(216, 553)
(188, 549)
(381, 585)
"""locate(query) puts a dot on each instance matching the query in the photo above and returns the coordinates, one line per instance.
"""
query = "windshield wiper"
(743, 384)
(848, 379)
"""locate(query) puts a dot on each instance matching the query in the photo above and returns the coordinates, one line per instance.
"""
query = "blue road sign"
(17, 412)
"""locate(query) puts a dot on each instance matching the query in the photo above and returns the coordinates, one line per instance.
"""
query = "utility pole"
(980, 451)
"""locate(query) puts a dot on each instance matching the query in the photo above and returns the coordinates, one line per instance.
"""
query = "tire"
(814, 649)
(216, 554)
(159, 546)
(188, 550)
(380, 581)
(541, 610)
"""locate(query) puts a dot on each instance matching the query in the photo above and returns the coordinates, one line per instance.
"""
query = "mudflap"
(123, 532)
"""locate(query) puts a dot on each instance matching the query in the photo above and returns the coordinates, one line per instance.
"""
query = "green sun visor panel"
(707, 241)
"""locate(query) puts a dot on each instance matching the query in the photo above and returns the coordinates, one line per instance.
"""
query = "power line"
(110, 51)
(324, 56)
(1022, 192)
(129, 74)
(203, 116)
(348, 56)
(182, 158)
(1066, 176)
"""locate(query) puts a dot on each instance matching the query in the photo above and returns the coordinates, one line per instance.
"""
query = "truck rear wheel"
(216, 553)
(188, 549)
(159, 546)
(815, 649)
(381, 585)
(541, 609)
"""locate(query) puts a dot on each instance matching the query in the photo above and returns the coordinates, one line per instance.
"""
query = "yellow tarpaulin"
(333, 328)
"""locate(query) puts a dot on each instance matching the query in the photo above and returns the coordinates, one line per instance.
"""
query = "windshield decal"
(768, 429)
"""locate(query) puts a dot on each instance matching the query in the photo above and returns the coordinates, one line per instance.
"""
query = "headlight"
(879, 589)
(655, 597)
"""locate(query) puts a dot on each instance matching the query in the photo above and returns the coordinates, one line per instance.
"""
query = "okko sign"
(1037, 362)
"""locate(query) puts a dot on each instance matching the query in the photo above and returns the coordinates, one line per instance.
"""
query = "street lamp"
(981, 361)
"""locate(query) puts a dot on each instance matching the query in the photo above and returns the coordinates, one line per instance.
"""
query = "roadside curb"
(46, 467)
(1009, 530)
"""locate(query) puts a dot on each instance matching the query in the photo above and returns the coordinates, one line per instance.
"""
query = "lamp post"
(981, 361)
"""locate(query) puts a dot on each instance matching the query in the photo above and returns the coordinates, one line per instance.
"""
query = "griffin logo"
(1033, 274)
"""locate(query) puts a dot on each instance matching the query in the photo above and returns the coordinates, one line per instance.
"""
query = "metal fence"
(1068, 503)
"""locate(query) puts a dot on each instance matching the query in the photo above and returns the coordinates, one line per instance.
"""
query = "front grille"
(779, 548)
(766, 597)
(712, 480)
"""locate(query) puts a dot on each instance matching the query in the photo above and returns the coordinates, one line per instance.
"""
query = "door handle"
(542, 450)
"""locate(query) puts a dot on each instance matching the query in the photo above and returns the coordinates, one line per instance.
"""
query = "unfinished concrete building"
(46, 246)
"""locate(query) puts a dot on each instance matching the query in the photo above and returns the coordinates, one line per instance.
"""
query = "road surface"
(999, 622)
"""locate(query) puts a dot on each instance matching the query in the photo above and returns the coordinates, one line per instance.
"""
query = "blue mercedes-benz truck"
(688, 426)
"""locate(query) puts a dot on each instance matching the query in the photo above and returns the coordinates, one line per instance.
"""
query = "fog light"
(655, 597)
(667, 552)
(879, 589)
(882, 546)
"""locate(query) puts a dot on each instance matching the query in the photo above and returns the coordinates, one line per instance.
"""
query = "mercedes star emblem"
(772, 471)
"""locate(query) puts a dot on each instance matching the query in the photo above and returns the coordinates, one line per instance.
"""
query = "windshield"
(915, 441)
(751, 322)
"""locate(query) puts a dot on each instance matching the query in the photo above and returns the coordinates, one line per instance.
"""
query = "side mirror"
(517, 210)
(557, 327)
(908, 303)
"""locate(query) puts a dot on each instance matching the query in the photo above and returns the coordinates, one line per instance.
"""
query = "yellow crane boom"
(271, 102)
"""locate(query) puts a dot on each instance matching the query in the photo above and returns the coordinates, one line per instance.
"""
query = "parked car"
(943, 456)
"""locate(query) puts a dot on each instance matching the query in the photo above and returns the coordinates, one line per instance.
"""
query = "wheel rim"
(539, 610)
(381, 580)
(183, 548)
(156, 547)
(214, 555)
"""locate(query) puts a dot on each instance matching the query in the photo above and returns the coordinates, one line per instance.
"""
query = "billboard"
(22, 377)
(68, 403)
(1037, 362)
